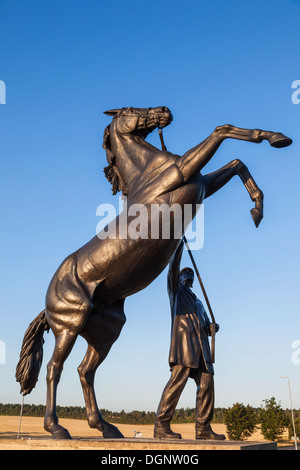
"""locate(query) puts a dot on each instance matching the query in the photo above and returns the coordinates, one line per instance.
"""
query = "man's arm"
(208, 324)
(173, 273)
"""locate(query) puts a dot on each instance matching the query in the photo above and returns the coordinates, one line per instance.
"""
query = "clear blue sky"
(211, 63)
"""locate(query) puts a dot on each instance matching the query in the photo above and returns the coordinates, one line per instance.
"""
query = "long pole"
(213, 324)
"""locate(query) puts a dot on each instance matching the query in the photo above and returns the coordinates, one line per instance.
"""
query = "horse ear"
(112, 112)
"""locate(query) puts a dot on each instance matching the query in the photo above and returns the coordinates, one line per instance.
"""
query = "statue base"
(133, 444)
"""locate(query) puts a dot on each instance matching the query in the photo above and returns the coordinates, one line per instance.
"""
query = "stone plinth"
(133, 444)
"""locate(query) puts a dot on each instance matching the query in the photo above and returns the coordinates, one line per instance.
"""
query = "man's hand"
(217, 327)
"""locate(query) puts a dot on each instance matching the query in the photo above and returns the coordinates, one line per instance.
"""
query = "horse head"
(130, 121)
(140, 121)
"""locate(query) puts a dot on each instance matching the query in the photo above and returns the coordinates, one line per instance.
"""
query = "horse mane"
(110, 170)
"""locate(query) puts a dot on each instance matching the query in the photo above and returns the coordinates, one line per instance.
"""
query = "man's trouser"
(173, 390)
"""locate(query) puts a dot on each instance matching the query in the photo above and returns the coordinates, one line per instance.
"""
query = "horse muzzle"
(164, 122)
(165, 119)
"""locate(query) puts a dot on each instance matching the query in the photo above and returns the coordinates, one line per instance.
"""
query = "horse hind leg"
(68, 306)
(101, 330)
(63, 346)
(87, 370)
(65, 327)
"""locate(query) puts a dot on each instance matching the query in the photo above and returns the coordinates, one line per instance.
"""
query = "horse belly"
(144, 263)
(116, 268)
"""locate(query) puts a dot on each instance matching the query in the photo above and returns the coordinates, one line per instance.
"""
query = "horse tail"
(31, 355)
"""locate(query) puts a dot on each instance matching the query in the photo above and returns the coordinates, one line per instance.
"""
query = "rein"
(160, 133)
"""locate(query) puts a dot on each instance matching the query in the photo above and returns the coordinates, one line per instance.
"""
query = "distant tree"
(182, 415)
(297, 428)
(240, 421)
(273, 420)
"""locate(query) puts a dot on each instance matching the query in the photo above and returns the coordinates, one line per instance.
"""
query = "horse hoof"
(256, 216)
(112, 432)
(279, 140)
(61, 433)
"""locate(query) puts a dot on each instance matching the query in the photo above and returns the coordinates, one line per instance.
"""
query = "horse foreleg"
(216, 180)
(275, 139)
(196, 158)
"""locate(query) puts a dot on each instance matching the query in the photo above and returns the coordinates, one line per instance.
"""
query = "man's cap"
(184, 270)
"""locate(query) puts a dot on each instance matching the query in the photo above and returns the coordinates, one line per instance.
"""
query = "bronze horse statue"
(86, 294)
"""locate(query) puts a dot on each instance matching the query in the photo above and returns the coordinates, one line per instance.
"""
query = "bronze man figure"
(189, 356)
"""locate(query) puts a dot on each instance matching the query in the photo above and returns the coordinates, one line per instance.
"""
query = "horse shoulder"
(170, 179)
(165, 176)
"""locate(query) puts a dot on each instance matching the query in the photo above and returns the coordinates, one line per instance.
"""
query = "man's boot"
(206, 433)
(163, 431)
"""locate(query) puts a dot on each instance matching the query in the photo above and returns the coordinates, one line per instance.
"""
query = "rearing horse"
(86, 294)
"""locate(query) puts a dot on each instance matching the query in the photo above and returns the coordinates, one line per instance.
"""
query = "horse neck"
(133, 155)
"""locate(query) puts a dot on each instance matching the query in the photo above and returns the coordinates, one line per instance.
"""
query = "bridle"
(133, 112)
(143, 115)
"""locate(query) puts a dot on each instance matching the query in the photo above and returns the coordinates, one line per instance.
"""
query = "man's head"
(186, 276)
